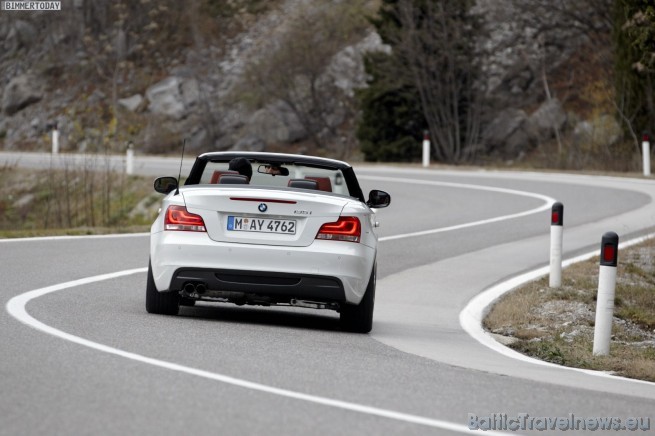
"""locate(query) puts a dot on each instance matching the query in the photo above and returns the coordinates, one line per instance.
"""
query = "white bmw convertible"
(266, 229)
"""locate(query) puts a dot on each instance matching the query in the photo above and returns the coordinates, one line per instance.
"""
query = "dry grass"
(511, 309)
(74, 201)
(557, 325)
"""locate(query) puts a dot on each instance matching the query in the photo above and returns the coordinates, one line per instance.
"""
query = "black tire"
(359, 318)
(163, 303)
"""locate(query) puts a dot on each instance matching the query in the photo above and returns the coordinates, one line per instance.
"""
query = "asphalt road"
(232, 370)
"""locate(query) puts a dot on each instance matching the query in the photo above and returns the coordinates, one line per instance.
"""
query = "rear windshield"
(284, 175)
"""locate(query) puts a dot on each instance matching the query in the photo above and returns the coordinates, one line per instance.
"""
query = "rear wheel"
(359, 318)
(163, 303)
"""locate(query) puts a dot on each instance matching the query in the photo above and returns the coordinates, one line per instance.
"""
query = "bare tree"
(295, 71)
(436, 42)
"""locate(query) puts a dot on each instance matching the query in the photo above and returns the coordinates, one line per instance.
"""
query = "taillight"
(178, 218)
(347, 228)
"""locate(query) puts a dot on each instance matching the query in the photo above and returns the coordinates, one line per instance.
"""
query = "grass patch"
(557, 325)
(74, 201)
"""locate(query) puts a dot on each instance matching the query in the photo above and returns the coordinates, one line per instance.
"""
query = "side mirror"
(165, 185)
(378, 199)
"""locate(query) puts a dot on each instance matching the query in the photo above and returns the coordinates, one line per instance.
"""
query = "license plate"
(262, 225)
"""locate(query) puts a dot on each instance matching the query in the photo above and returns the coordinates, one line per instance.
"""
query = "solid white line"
(549, 201)
(471, 317)
(16, 308)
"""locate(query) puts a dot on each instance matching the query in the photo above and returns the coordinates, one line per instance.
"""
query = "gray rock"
(37, 126)
(276, 123)
(517, 143)
(347, 67)
(25, 32)
(165, 98)
(506, 133)
(582, 132)
(546, 119)
(173, 96)
(199, 140)
(602, 131)
(505, 340)
(17, 35)
(512, 132)
(249, 143)
(131, 103)
(21, 92)
(190, 92)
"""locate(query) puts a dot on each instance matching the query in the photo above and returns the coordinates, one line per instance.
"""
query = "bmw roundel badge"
(263, 207)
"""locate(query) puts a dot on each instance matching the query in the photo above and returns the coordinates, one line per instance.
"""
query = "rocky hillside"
(548, 69)
(271, 75)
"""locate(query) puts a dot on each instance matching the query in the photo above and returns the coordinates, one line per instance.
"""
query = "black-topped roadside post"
(129, 159)
(645, 148)
(426, 149)
(55, 139)
(556, 242)
(609, 253)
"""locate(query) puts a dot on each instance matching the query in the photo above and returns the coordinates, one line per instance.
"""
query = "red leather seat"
(217, 175)
(303, 184)
(324, 183)
(233, 179)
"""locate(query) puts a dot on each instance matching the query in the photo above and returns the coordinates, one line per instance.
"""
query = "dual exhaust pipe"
(195, 287)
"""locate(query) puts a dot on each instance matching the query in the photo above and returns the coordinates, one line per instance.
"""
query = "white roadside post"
(426, 149)
(129, 161)
(556, 242)
(55, 139)
(645, 148)
(609, 251)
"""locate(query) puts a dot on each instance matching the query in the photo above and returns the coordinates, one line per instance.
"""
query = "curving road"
(100, 365)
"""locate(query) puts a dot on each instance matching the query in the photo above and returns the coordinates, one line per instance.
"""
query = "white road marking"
(548, 203)
(471, 317)
(16, 308)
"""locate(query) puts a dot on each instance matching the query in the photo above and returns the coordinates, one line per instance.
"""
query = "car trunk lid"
(263, 216)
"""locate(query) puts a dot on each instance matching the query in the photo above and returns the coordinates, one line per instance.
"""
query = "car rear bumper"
(282, 286)
(325, 270)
